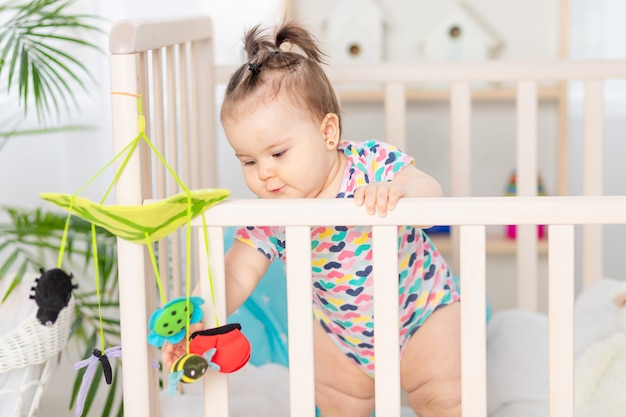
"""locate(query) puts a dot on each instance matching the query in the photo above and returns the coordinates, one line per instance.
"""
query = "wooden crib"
(169, 62)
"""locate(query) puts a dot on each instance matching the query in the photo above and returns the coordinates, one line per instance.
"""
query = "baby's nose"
(266, 171)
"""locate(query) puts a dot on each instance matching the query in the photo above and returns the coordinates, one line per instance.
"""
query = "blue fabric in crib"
(263, 317)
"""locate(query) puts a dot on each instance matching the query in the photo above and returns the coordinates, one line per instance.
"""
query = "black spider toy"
(52, 293)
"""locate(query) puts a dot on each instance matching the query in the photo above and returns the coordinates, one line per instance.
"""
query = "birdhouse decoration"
(463, 35)
(355, 31)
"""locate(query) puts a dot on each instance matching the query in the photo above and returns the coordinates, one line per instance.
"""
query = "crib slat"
(460, 127)
(145, 153)
(158, 134)
(561, 319)
(593, 171)
(460, 153)
(172, 116)
(300, 323)
(526, 138)
(473, 323)
(204, 114)
(526, 186)
(215, 383)
(395, 115)
(172, 155)
(194, 108)
(145, 156)
(158, 139)
(185, 161)
(593, 134)
(387, 339)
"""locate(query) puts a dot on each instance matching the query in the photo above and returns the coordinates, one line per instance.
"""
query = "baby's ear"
(330, 130)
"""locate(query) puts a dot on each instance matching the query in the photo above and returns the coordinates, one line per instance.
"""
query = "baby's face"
(282, 150)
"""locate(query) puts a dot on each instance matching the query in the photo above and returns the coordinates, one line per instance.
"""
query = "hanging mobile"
(146, 224)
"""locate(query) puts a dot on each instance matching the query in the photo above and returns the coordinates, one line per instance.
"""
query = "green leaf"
(16, 280)
(9, 262)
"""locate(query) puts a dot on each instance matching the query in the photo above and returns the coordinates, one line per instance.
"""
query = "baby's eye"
(278, 154)
(247, 163)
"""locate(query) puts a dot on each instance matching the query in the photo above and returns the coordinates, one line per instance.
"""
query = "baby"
(281, 117)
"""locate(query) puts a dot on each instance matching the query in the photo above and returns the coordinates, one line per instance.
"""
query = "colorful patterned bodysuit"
(342, 263)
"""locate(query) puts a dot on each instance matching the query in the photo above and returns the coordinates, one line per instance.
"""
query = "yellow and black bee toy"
(190, 368)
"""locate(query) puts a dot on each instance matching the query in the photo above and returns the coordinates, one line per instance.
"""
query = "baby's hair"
(273, 65)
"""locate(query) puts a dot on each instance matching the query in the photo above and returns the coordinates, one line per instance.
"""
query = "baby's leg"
(341, 387)
(430, 369)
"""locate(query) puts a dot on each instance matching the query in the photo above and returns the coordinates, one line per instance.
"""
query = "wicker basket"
(29, 355)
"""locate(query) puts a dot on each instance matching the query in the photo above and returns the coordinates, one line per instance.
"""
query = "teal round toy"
(170, 322)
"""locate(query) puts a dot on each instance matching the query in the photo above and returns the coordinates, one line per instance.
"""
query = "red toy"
(232, 347)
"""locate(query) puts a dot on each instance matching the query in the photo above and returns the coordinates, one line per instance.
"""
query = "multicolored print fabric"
(342, 263)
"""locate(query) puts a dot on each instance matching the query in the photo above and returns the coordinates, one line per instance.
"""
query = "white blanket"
(601, 368)
(517, 352)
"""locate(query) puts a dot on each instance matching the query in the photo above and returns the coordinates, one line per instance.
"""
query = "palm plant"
(41, 73)
(36, 68)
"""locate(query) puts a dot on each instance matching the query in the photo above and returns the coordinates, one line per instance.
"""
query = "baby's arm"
(244, 267)
(380, 197)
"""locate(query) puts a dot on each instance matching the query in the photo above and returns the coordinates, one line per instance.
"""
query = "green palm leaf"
(33, 53)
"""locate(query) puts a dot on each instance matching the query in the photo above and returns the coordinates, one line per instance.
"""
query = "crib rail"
(472, 214)
(169, 63)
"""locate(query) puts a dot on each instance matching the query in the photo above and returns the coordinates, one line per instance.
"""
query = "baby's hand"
(170, 353)
(379, 197)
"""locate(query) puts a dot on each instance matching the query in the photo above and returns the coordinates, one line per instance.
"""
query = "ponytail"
(290, 59)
